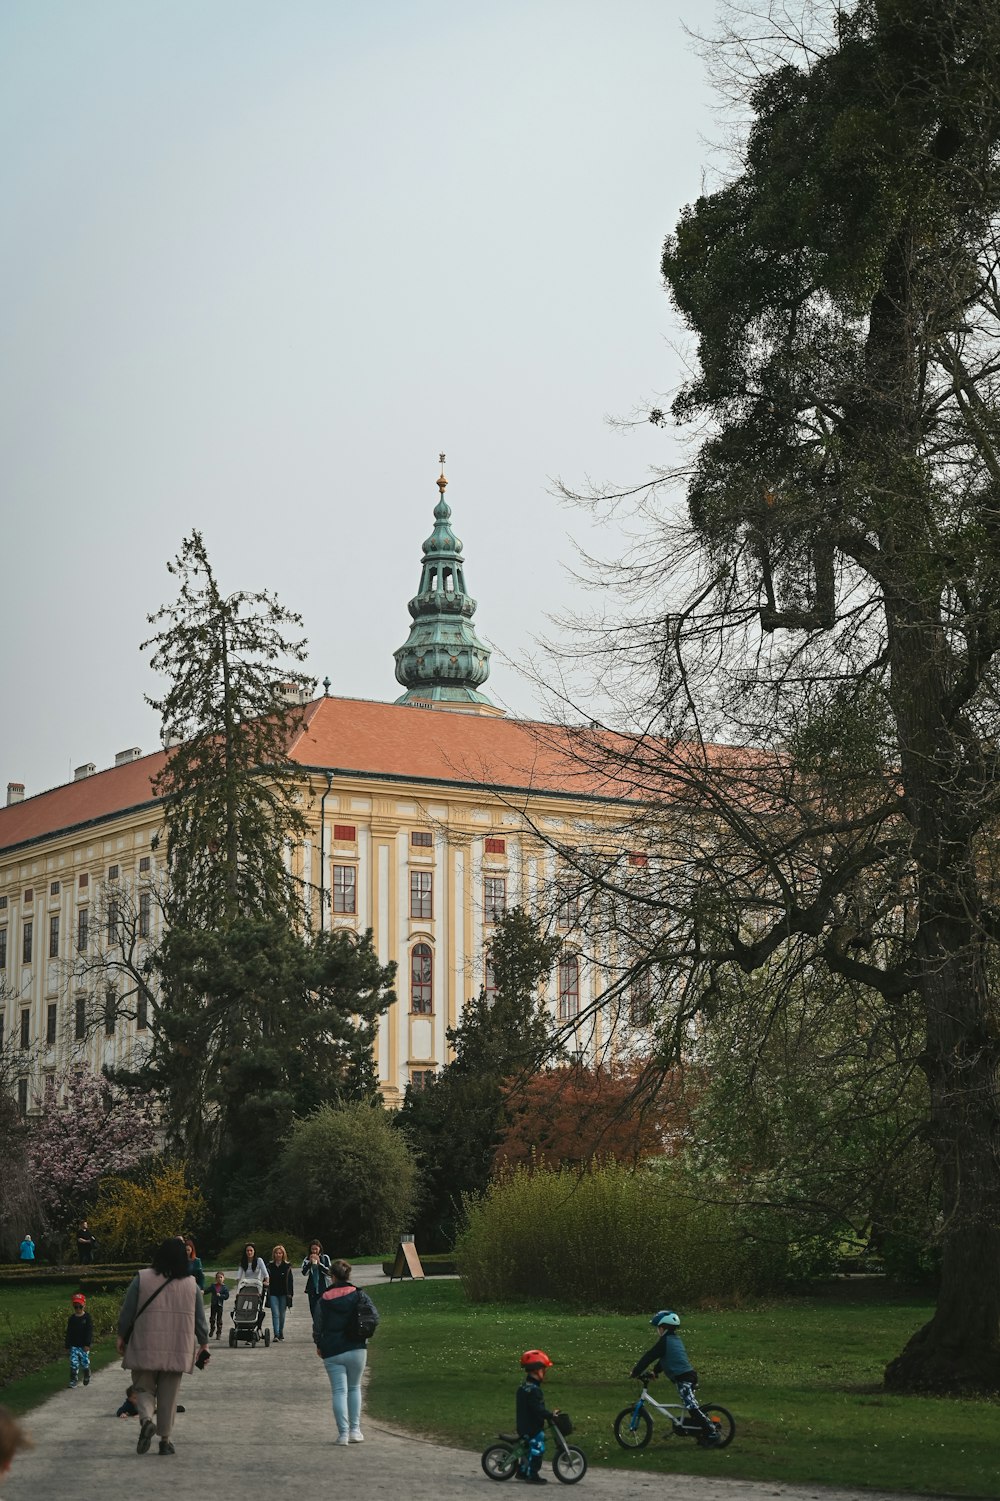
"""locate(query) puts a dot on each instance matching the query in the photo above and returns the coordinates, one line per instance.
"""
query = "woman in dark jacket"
(343, 1357)
(280, 1289)
(316, 1271)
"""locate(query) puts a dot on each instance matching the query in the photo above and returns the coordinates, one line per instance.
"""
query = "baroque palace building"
(428, 818)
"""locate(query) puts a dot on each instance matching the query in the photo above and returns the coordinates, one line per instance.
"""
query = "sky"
(262, 263)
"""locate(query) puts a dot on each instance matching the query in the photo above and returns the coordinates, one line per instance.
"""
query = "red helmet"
(80, 1299)
(535, 1357)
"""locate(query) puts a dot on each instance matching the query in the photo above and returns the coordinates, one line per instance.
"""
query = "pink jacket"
(164, 1335)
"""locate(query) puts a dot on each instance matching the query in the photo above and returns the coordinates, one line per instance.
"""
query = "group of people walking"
(163, 1330)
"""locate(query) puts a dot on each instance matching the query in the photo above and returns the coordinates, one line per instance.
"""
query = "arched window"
(569, 987)
(421, 980)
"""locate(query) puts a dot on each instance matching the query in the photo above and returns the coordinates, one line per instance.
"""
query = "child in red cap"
(79, 1338)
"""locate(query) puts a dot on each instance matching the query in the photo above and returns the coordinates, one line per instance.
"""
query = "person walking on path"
(316, 1271)
(195, 1268)
(86, 1240)
(253, 1268)
(220, 1292)
(27, 1249)
(161, 1322)
(280, 1289)
(79, 1338)
(343, 1356)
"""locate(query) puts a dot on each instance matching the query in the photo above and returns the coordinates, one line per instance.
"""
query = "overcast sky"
(261, 262)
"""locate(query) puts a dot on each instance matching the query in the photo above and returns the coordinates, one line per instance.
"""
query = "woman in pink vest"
(161, 1324)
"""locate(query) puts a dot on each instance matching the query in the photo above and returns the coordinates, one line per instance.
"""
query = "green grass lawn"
(22, 1306)
(20, 1309)
(802, 1379)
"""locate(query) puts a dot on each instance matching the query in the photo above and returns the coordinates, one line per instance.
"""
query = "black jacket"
(331, 1315)
(531, 1408)
(280, 1284)
(79, 1331)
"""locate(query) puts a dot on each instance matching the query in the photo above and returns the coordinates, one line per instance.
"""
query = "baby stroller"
(246, 1314)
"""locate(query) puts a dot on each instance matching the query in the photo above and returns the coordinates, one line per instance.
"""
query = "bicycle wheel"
(723, 1421)
(499, 1461)
(633, 1430)
(569, 1465)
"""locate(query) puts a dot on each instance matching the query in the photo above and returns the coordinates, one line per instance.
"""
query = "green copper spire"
(443, 661)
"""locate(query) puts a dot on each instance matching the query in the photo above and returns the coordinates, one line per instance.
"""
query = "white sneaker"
(356, 1436)
(341, 1439)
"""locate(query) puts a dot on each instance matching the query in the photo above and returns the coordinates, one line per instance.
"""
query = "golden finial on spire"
(442, 483)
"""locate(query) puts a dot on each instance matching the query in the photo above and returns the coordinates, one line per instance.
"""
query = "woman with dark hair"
(161, 1324)
(316, 1271)
(344, 1357)
(195, 1268)
(253, 1268)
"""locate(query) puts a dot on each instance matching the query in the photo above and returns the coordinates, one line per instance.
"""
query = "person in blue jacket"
(672, 1360)
(27, 1249)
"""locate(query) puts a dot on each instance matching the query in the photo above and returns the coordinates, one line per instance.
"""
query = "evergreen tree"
(231, 799)
(456, 1122)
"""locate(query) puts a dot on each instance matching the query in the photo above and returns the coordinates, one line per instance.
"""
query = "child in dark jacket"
(531, 1415)
(128, 1408)
(220, 1292)
(672, 1360)
(79, 1338)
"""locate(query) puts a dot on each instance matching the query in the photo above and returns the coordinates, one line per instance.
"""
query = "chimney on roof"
(290, 693)
(125, 756)
(170, 738)
(86, 770)
(15, 792)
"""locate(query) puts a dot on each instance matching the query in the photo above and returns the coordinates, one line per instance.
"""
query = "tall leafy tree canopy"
(829, 608)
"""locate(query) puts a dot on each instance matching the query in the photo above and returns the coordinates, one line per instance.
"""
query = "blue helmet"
(665, 1319)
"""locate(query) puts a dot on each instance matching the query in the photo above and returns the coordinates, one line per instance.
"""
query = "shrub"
(133, 1215)
(615, 1237)
(349, 1178)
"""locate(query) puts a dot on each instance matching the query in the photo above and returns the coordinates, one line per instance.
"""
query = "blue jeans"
(278, 1308)
(345, 1373)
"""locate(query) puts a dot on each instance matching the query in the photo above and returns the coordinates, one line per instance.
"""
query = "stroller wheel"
(267, 1338)
(232, 1339)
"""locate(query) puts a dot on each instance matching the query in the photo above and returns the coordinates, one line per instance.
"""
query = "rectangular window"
(145, 863)
(3, 948)
(568, 911)
(3, 904)
(26, 939)
(496, 846)
(54, 889)
(84, 881)
(110, 1012)
(421, 1078)
(112, 872)
(345, 831)
(50, 1025)
(345, 892)
(25, 1028)
(421, 839)
(142, 1009)
(2, 1020)
(80, 1029)
(112, 922)
(145, 914)
(489, 979)
(54, 936)
(29, 895)
(494, 898)
(82, 929)
(569, 987)
(22, 1096)
(421, 893)
(640, 1000)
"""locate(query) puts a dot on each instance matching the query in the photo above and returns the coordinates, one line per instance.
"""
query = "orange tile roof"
(352, 737)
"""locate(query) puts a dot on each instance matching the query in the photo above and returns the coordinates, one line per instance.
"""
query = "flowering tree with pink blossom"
(89, 1128)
